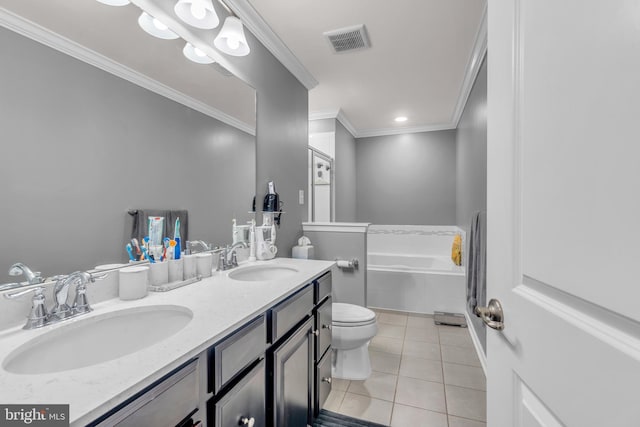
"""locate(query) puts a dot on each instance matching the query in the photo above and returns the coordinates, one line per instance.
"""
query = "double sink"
(104, 337)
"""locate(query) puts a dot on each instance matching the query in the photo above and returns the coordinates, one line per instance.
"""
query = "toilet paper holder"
(342, 263)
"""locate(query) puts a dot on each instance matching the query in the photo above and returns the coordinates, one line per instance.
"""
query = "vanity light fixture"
(156, 28)
(400, 119)
(196, 55)
(115, 2)
(231, 39)
(197, 13)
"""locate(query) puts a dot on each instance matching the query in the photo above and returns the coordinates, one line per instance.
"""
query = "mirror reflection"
(82, 146)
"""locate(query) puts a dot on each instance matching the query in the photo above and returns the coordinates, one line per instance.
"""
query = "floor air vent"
(347, 39)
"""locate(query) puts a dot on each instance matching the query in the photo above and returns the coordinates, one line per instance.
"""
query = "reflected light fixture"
(196, 55)
(156, 28)
(231, 39)
(115, 2)
(197, 13)
(400, 119)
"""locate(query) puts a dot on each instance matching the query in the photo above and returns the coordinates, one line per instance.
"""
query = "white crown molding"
(62, 44)
(400, 131)
(261, 30)
(473, 67)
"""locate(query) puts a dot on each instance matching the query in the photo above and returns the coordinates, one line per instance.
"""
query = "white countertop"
(219, 305)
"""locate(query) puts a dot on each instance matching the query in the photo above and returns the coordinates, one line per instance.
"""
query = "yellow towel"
(456, 250)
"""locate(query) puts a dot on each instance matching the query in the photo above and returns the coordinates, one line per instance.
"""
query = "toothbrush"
(130, 252)
(145, 254)
(176, 230)
(172, 250)
(178, 249)
(136, 246)
(166, 246)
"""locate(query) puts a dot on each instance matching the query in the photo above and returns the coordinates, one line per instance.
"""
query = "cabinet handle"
(316, 332)
(247, 421)
(326, 380)
(326, 327)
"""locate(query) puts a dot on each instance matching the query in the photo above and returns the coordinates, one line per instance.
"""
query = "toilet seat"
(350, 315)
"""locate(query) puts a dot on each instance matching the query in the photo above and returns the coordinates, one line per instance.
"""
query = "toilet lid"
(350, 314)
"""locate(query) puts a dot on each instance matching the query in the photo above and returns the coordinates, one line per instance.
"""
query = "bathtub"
(409, 269)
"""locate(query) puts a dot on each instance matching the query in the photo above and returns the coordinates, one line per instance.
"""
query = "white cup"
(204, 264)
(158, 273)
(176, 270)
(106, 288)
(189, 266)
(133, 282)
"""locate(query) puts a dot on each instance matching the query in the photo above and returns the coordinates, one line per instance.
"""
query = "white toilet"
(352, 329)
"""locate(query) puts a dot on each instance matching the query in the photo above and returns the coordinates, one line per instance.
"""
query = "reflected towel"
(456, 250)
(477, 261)
(140, 226)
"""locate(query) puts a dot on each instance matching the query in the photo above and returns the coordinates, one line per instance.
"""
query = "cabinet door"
(323, 326)
(243, 405)
(323, 382)
(293, 379)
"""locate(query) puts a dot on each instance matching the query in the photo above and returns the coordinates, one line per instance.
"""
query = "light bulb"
(233, 43)
(198, 10)
(159, 25)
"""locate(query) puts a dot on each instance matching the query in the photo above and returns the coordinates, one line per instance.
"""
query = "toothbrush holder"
(176, 270)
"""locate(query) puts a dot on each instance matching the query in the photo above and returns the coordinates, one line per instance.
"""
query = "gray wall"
(406, 179)
(80, 147)
(471, 166)
(345, 175)
(282, 135)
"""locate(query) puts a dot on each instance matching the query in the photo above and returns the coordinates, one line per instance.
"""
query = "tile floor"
(423, 375)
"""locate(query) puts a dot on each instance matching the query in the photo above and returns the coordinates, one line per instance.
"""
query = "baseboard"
(476, 343)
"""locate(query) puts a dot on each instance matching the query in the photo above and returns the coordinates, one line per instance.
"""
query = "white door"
(564, 212)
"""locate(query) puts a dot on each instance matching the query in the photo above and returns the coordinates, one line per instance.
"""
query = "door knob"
(492, 315)
(248, 421)
(316, 332)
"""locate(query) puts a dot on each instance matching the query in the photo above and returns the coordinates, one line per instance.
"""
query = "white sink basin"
(259, 273)
(86, 342)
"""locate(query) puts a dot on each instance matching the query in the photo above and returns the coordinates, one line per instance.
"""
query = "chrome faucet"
(196, 246)
(33, 278)
(61, 310)
(228, 258)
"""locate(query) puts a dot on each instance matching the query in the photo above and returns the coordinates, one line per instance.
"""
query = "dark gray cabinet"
(243, 404)
(292, 378)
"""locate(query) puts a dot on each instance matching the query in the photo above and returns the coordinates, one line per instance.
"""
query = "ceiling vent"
(348, 39)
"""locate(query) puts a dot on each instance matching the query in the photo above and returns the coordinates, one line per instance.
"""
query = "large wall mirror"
(82, 146)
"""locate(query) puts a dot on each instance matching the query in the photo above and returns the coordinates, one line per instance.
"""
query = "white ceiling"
(421, 64)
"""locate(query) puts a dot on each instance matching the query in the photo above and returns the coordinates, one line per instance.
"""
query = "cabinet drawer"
(165, 403)
(323, 287)
(245, 401)
(234, 353)
(323, 381)
(323, 324)
(290, 312)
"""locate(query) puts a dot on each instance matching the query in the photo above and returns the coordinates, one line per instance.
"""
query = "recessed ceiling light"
(400, 119)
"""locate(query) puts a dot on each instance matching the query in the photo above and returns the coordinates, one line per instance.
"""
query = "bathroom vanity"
(255, 352)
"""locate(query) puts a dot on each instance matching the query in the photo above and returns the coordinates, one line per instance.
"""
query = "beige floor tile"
(393, 319)
(386, 345)
(457, 340)
(384, 362)
(461, 355)
(423, 369)
(334, 400)
(366, 408)
(463, 422)
(420, 322)
(426, 350)
(422, 334)
(391, 331)
(378, 385)
(339, 384)
(407, 416)
(464, 376)
(421, 394)
(465, 402)
(456, 330)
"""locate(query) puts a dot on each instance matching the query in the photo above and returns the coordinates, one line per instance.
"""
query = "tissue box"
(302, 252)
